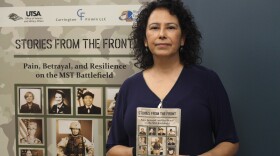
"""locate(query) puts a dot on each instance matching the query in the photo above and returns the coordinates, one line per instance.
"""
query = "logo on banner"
(81, 13)
(33, 16)
(15, 17)
(33, 13)
(80, 17)
(128, 16)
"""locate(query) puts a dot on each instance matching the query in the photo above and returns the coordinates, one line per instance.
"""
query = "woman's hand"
(120, 150)
(223, 149)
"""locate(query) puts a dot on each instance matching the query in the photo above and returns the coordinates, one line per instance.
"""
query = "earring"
(147, 50)
(181, 49)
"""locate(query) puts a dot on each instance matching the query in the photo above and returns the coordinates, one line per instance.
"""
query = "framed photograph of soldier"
(77, 136)
(171, 141)
(171, 131)
(31, 151)
(110, 99)
(156, 145)
(152, 131)
(59, 100)
(142, 140)
(74, 137)
(161, 131)
(142, 130)
(30, 100)
(89, 100)
(30, 131)
(142, 150)
(171, 151)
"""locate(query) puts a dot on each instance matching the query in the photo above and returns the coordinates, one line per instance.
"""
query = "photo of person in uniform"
(156, 147)
(142, 131)
(161, 131)
(28, 153)
(31, 152)
(89, 100)
(171, 131)
(30, 137)
(142, 150)
(30, 107)
(88, 107)
(75, 144)
(171, 141)
(152, 131)
(142, 140)
(59, 103)
(171, 151)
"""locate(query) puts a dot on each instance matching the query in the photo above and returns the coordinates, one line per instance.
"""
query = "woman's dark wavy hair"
(191, 49)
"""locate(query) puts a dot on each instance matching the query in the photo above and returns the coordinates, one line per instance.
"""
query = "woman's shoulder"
(137, 77)
(135, 81)
(201, 71)
(201, 74)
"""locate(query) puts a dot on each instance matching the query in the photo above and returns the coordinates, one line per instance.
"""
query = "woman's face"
(58, 98)
(28, 153)
(88, 100)
(31, 131)
(170, 152)
(29, 98)
(75, 131)
(163, 33)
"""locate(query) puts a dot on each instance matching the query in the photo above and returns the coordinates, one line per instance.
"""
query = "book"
(158, 131)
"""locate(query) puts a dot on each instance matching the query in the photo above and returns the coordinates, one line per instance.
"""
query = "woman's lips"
(162, 45)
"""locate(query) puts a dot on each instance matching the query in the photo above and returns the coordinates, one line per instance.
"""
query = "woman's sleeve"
(118, 135)
(221, 115)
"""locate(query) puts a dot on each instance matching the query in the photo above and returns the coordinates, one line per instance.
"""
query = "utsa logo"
(33, 13)
(127, 16)
(14, 17)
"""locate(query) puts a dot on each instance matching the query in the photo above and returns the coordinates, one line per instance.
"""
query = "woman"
(88, 107)
(142, 141)
(168, 53)
(31, 134)
(60, 107)
(30, 107)
(28, 153)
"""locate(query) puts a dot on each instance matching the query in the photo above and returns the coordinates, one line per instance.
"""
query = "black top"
(35, 108)
(92, 110)
(206, 118)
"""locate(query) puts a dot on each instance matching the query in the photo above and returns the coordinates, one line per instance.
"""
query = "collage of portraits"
(63, 120)
(157, 140)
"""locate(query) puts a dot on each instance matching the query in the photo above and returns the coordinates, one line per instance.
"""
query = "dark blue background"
(241, 42)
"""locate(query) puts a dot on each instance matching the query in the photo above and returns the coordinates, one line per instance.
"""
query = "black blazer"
(34, 108)
(93, 110)
(64, 109)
